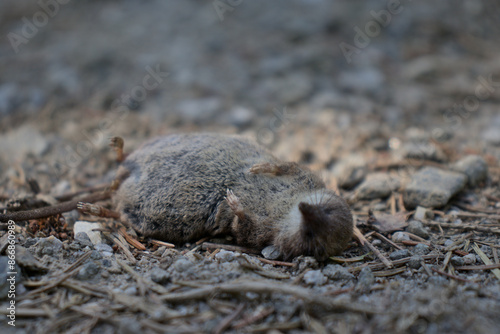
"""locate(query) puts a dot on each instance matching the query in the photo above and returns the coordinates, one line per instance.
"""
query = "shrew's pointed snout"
(312, 217)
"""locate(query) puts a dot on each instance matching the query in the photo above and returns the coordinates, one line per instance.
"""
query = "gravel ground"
(394, 103)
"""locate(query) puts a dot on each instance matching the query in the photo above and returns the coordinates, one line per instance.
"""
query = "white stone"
(88, 227)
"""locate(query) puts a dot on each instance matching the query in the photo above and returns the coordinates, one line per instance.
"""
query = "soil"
(395, 104)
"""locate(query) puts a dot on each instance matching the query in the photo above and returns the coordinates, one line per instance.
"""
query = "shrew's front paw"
(233, 202)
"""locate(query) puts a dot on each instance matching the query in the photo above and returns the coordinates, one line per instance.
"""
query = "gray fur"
(173, 188)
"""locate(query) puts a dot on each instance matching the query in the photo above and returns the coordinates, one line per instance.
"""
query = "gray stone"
(422, 151)
(422, 213)
(416, 227)
(49, 246)
(350, 171)
(432, 187)
(337, 272)
(399, 254)
(315, 277)
(457, 261)
(159, 275)
(105, 249)
(365, 280)
(25, 259)
(469, 259)
(492, 135)
(225, 256)
(421, 249)
(271, 252)
(15, 144)
(241, 116)
(400, 237)
(475, 167)
(415, 261)
(88, 271)
(82, 239)
(199, 110)
(182, 265)
(379, 185)
(88, 228)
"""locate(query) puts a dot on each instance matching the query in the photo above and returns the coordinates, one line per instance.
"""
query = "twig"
(381, 237)
(277, 263)
(226, 322)
(464, 228)
(254, 318)
(391, 272)
(70, 271)
(133, 242)
(451, 276)
(210, 245)
(162, 243)
(125, 250)
(483, 267)
(485, 259)
(52, 210)
(363, 240)
(307, 295)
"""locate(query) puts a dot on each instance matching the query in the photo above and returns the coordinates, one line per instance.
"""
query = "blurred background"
(314, 80)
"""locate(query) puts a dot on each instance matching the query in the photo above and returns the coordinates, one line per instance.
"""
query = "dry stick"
(226, 322)
(451, 276)
(476, 209)
(277, 263)
(464, 228)
(476, 215)
(254, 318)
(162, 243)
(381, 237)
(363, 241)
(483, 267)
(72, 270)
(125, 250)
(307, 295)
(52, 210)
(210, 245)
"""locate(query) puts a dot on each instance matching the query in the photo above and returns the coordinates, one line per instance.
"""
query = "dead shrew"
(184, 187)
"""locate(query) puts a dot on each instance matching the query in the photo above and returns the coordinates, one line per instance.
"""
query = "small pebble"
(365, 280)
(399, 237)
(88, 228)
(432, 187)
(422, 213)
(337, 272)
(182, 265)
(415, 262)
(225, 256)
(399, 254)
(315, 277)
(416, 227)
(475, 167)
(88, 271)
(379, 185)
(105, 249)
(271, 253)
(457, 261)
(421, 249)
(159, 275)
(469, 259)
(49, 246)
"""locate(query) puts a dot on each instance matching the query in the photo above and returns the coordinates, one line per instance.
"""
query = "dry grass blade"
(133, 242)
(226, 322)
(70, 271)
(304, 294)
(483, 267)
(485, 259)
(162, 243)
(364, 241)
(391, 272)
(451, 276)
